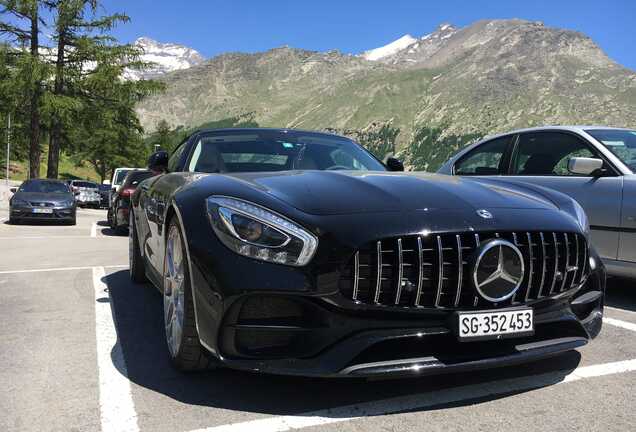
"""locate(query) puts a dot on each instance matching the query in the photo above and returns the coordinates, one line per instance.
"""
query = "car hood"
(347, 192)
(43, 197)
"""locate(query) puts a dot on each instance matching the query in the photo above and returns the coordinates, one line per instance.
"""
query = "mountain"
(421, 99)
(166, 57)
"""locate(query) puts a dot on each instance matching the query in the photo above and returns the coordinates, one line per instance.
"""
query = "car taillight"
(127, 192)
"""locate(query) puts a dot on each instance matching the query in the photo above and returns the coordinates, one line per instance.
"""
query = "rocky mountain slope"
(422, 98)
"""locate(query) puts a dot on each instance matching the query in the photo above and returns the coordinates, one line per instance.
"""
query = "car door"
(627, 245)
(542, 158)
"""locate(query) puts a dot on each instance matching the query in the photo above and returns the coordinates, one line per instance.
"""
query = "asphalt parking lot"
(82, 349)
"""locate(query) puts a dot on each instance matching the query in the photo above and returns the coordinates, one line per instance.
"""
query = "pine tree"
(21, 25)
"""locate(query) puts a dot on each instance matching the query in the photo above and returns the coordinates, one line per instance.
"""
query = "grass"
(67, 169)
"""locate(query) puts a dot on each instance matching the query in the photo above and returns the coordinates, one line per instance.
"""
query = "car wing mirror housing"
(158, 161)
(586, 166)
(13, 189)
(394, 164)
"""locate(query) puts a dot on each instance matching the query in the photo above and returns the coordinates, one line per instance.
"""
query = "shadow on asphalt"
(621, 293)
(138, 312)
(106, 230)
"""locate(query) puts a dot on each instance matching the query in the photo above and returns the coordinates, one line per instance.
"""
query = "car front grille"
(434, 271)
(41, 204)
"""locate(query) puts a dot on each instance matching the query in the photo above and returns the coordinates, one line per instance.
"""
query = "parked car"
(41, 199)
(120, 200)
(104, 195)
(296, 252)
(87, 193)
(595, 165)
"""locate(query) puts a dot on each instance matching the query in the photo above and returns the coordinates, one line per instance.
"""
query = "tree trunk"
(34, 139)
(56, 126)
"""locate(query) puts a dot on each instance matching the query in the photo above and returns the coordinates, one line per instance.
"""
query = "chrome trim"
(531, 256)
(556, 262)
(567, 261)
(378, 282)
(576, 263)
(460, 270)
(492, 244)
(420, 271)
(544, 265)
(400, 272)
(477, 244)
(440, 276)
(350, 369)
(356, 275)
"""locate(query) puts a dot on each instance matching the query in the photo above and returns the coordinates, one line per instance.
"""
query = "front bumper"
(314, 335)
(58, 213)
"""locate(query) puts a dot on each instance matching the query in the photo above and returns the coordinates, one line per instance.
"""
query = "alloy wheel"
(174, 298)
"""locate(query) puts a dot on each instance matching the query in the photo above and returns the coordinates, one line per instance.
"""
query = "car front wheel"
(182, 337)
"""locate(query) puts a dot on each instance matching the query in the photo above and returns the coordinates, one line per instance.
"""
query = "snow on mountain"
(166, 57)
(390, 49)
(409, 51)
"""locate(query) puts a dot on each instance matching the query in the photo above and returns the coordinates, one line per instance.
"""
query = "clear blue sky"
(213, 27)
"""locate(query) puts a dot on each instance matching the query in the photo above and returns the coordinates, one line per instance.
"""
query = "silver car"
(593, 164)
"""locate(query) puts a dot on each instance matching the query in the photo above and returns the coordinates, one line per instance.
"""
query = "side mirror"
(394, 164)
(13, 189)
(585, 166)
(158, 161)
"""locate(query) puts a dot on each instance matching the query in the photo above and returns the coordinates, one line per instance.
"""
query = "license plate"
(42, 210)
(495, 324)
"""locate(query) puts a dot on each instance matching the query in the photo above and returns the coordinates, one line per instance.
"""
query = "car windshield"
(121, 175)
(278, 151)
(620, 142)
(44, 187)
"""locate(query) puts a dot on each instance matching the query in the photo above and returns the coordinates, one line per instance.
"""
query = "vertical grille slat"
(398, 289)
(566, 266)
(378, 282)
(440, 274)
(420, 270)
(544, 264)
(356, 274)
(434, 271)
(556, 262)
(460, 270)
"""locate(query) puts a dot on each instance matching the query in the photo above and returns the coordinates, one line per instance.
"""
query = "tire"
(135, 260)
(110, 218)
(73, 221)
(14, 221)
(182, 337)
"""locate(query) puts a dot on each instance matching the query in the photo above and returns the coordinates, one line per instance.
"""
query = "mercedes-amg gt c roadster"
(295, 252)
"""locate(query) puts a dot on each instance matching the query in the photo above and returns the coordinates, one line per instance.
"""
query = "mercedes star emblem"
(498, 270)
(484, 213)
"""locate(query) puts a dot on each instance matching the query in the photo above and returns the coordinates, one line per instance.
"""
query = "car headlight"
(255, 232)
(581, 217)
(19, 203)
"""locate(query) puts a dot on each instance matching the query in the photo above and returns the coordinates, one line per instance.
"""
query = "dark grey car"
(42, 200)
(593, 164)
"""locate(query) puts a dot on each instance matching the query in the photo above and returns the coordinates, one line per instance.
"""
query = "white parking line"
(618, 323)
(116, 405)
(60, 269)
(422, 401)
(94, 229)
(627, 311)
(45, 237)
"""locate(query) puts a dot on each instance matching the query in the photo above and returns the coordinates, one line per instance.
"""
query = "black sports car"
(297, 252)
